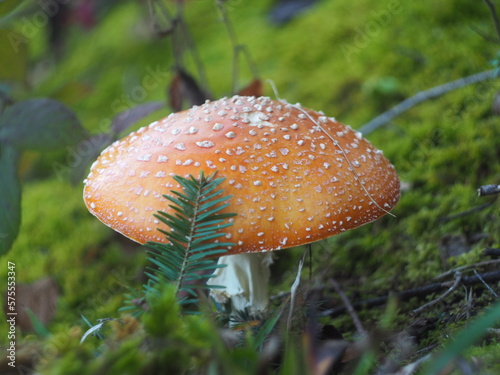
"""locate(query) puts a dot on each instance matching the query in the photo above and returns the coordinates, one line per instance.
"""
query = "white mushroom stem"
(246, 279)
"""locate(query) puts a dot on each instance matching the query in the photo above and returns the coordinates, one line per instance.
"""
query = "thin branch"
(465, 213)
(492, 252)
(415, 292)
(349, 307)
(486, 284)
(423, 96)
(195, 55)
(181, 39)
(458, 278)
(156, 21)
(469, 266)
(237, 47)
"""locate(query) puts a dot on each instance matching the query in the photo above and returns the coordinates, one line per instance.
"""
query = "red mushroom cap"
(296, 175)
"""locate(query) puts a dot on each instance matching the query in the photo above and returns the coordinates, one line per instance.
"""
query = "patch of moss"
(59, 238)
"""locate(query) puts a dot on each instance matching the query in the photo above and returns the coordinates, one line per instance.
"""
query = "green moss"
(59, 238)
(486, 355)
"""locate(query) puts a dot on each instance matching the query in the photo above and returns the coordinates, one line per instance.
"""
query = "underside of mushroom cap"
(296, 175)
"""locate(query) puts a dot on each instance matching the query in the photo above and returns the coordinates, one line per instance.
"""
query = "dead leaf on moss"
(253, 89)
(40, 298)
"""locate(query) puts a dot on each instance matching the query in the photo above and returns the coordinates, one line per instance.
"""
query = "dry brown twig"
(486, 284)
(350, 309)
(467, 267)
(418, 292)
(488, 190)
(458, 279)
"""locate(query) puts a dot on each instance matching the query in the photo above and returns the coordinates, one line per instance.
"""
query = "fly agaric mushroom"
(296, 176)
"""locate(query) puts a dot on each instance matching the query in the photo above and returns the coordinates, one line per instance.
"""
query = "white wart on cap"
(296, 176)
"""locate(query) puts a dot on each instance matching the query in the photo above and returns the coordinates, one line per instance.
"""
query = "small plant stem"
(293, 290)
(237, 47)
(494, 16)
(181, 36)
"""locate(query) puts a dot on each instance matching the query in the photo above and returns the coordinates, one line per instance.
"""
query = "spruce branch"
(193, 230)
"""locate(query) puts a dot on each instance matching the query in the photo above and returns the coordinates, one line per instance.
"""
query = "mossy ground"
(351, 60)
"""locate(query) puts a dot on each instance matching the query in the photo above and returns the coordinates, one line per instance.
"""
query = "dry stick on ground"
(458, 278)
(488, 190)
(349, 307)
(486, 284)
(423, 96)
(446, 219)
(419, 292)
(492, 252)
(462, 268)
(481, 192)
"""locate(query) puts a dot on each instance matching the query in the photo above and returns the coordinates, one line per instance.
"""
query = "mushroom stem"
(246, 279)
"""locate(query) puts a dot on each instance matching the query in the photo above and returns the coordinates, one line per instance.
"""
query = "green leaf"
(10, 197)
(40, 124)
(37, 325)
